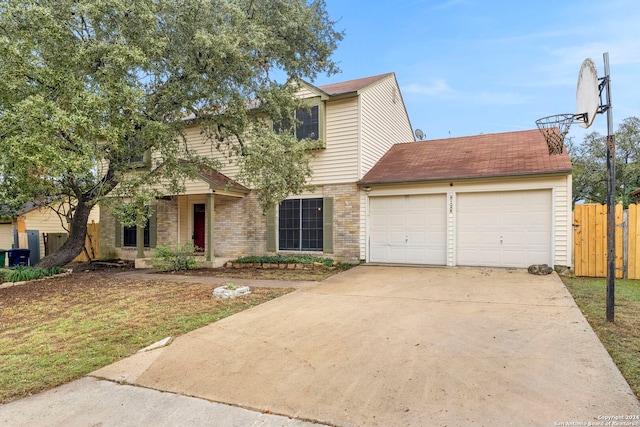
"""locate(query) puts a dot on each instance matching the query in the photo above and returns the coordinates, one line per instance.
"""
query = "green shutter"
(327, 226)
(271, 229)
(118, 234)
(153, 226)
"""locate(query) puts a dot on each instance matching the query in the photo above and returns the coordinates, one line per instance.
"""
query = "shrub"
(23, 274)
(175, 258)
(284, 259)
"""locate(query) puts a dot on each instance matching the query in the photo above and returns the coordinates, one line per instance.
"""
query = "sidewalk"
(94, 402)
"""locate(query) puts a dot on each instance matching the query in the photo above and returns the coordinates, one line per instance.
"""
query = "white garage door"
(408, 229)
(504, 229)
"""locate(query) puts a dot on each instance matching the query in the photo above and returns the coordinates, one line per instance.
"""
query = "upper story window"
(309, 123)
(137, 157)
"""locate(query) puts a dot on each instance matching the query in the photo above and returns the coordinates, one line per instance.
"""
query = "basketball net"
(554, 129)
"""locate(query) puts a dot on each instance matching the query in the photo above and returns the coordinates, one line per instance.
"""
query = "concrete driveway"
(400, 346)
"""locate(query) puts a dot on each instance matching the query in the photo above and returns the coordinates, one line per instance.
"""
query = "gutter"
(363, 183)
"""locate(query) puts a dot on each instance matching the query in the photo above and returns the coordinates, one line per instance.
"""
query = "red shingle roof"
(481, 156)
(351, 85)
(221, 181)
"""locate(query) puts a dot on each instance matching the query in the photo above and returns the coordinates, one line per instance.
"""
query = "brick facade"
(107, 234)
(240, 225)
(346, 221)
(167, 221)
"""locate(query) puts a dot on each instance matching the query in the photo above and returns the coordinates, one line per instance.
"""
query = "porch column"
(210, 239)
(140, 242)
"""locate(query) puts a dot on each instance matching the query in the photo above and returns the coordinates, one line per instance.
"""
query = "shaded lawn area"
(316, 275)
(622, 337)
(56, 330)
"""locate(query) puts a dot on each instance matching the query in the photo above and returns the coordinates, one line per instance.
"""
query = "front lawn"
(622, 337)
(55, 330)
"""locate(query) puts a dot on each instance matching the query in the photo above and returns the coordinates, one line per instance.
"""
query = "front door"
(199, 215)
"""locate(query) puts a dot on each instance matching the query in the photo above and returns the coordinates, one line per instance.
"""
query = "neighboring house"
(27, 229)
(358, 120)
(6, 234)
(489, 200)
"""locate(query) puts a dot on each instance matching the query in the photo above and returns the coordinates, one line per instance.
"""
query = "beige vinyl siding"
(338, 162)
(46, 220)
(563, 221)
(199, 144)
(183, 220)
(384, 122)
(305, 92)
(6, 236)
(560, 186)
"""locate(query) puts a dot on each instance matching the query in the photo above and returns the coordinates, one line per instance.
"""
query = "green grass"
(21, 273)
(59, 329)
(4, 274)
(622, 337)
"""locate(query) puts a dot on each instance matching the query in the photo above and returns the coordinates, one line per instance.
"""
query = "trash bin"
(2, 252)
(18, 257)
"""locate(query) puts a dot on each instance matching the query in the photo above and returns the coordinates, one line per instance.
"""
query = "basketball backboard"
(588, 92)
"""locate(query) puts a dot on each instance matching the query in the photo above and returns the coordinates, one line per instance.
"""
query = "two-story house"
(358, 120)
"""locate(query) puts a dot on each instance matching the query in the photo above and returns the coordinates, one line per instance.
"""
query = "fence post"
(619, 239)
(632, 267)
(625, 244)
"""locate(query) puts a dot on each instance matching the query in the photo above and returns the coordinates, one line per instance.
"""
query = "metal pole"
(611, 199)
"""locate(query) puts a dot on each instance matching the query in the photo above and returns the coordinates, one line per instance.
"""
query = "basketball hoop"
(554, 129)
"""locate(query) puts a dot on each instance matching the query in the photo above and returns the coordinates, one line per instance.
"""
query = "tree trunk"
(74, 244)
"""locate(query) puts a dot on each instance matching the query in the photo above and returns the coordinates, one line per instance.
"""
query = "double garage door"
(496, 229)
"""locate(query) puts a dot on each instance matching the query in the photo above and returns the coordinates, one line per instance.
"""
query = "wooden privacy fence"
(590, 241)
(91, 245)
(53, 241)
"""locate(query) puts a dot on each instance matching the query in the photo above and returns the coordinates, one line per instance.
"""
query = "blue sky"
(468, 67)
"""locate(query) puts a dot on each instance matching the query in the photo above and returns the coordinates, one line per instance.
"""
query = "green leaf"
(87, 86)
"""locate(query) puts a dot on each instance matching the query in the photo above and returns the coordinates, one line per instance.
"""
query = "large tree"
(590, 167)
(88, 85)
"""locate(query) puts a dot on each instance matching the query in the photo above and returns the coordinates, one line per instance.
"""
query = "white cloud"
(439, 89)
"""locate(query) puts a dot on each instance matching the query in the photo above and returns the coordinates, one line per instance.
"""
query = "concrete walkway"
(381, 346)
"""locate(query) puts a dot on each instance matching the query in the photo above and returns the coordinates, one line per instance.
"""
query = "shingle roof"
(349, 86)
(480, 156)
(221, 181)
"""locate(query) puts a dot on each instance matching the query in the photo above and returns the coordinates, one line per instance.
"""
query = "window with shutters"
(300, 225)
(130, 236)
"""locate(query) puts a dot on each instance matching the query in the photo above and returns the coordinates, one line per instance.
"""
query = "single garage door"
(408, 229)
(504, 229)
